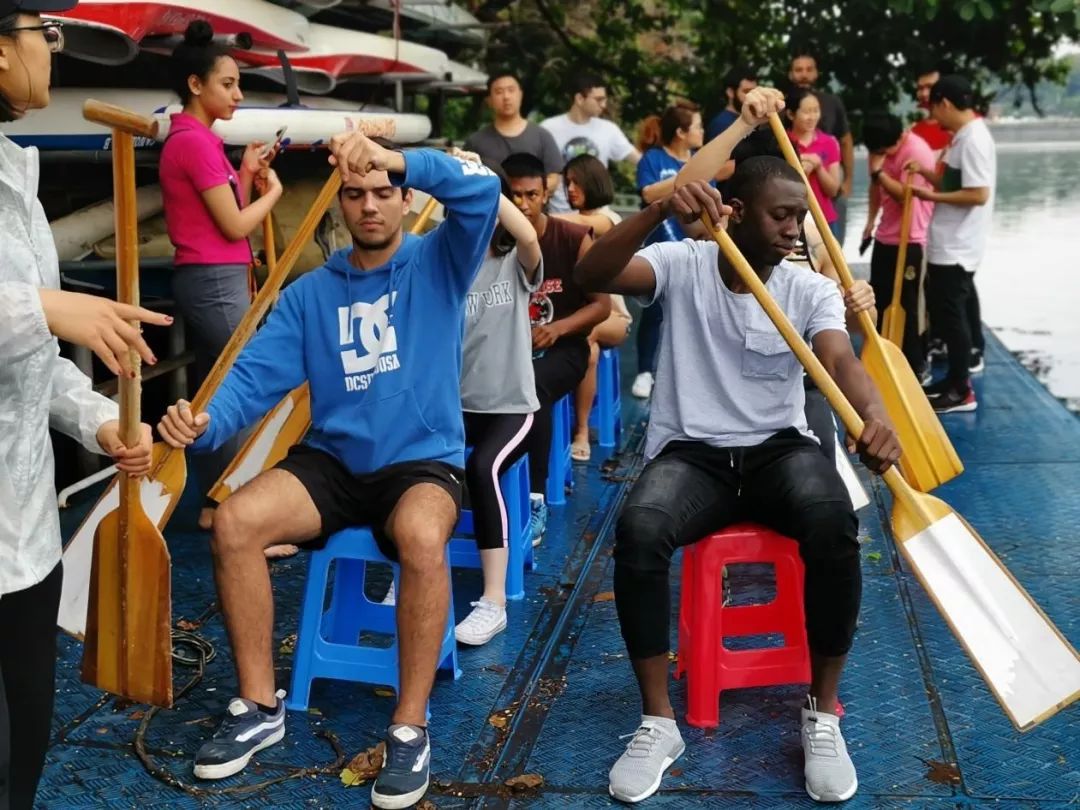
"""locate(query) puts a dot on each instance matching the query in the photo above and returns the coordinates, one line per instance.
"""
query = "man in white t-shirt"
(727, 441)
(582, 131)
(963, 195)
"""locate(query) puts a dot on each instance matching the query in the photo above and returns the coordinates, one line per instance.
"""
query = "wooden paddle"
(286, 424)
(1030, 667)
(268, 243)
(162, 489)
(892, 321)
(929, 459)
(128, 649)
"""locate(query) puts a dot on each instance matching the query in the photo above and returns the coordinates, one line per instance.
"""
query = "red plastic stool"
(704, 622)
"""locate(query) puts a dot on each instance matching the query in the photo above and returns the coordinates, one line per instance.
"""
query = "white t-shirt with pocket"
(724, 374)
(959, 233)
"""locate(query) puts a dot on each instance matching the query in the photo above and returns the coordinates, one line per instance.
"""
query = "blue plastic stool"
(514, 484)
(560, 469)
(327, 642)
(606, 413)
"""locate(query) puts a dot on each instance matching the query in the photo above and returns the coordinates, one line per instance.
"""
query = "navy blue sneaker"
(403, 780)
(538, 513)
(245, 730)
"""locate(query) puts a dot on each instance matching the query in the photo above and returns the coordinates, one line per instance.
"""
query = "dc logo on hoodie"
(369, 326)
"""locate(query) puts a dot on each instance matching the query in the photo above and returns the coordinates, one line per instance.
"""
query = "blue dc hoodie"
(380, 348)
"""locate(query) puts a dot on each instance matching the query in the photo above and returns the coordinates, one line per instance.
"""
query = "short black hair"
(581, 82)
(801, 50)
(881, 130)
(506, 73)
(759, 143)
(953, 88)
(523, 164)
(593, 177)
(737, 75)
(752, 174)
(795, 97)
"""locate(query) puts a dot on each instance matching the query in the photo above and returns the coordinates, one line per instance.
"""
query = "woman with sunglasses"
(210, 214)
(39, 389)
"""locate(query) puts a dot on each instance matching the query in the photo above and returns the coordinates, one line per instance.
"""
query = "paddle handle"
(905, 235)
(267, 294)
(424, 215)
(848, 415)
(833, 248)
(119, 120)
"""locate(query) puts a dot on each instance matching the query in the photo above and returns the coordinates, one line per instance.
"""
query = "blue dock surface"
(551, 695)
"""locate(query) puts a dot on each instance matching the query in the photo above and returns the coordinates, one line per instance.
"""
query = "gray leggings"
(213, 299)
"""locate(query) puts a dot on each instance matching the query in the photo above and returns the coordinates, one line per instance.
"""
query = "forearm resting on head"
(610, 265)
(710, 159)
(519, 227)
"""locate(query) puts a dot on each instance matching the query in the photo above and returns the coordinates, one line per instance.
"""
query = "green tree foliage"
(651, 51)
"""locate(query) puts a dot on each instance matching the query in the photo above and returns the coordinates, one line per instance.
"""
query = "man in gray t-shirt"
(727, 442)
(510, 133)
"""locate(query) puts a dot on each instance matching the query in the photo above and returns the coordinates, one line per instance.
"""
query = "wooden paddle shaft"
(268, 243)
(848, 415)
(267, 294)
(905, 235)
(424, 215)
(831, 245)
(119, 120)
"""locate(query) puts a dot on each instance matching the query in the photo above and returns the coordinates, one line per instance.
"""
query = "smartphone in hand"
(865, 244)
(270, 152)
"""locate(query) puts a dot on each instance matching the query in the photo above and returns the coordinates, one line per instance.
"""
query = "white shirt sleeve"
(828, 309)
(23, 329)
(664, 257)
(76, 409)
(978, 163)
(618, 144)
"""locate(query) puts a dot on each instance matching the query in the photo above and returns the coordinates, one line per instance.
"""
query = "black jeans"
(882, 273)
(27, 687)
(950, 291)
(691, 490)
(557, 373)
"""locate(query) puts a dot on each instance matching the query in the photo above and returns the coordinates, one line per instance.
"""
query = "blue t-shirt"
(721, 121)
(656, 165)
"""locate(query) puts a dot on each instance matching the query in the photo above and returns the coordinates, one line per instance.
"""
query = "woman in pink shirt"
(818, 151)
(209, 213)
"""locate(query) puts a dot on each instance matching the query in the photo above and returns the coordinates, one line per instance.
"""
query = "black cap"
(956, 89)
(35, 6)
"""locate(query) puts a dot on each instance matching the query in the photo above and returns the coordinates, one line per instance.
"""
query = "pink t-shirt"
(827, 148)
(912, 147)
(192, 161)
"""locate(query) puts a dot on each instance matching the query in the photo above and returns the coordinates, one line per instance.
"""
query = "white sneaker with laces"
(652, 749)
(828, 770)
(485, 621)
(643, 384)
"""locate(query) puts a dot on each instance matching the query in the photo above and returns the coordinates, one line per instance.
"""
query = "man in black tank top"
(562, 317)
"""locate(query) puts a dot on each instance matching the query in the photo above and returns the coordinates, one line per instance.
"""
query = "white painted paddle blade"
(855, 489)
(78, 553)
(254, 460)
(1030, 667)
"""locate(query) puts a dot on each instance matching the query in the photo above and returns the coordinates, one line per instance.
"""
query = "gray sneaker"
(651, 751)
(829, 772)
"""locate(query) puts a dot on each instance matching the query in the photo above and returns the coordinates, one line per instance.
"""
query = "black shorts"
(345, 500)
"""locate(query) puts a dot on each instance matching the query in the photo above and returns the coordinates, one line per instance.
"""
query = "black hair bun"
(199, 33)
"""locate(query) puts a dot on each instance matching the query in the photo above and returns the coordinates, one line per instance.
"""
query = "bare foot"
(280, 552)
(206, 518)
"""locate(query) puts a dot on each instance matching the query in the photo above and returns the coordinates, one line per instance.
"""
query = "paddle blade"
(279, 430)
(168, 477)
(1030, 667)
(929, 459)
(128, 647)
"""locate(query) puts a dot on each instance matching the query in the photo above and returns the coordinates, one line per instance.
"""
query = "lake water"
(1029, 282)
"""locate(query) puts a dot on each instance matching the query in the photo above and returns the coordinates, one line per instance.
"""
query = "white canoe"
(60, 126)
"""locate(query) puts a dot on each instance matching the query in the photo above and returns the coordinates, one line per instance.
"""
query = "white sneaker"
(828, 770)
(642, 387)
(653, 748)
(485, 621)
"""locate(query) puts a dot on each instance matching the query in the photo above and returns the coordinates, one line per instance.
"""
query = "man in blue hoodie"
(376, 332)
